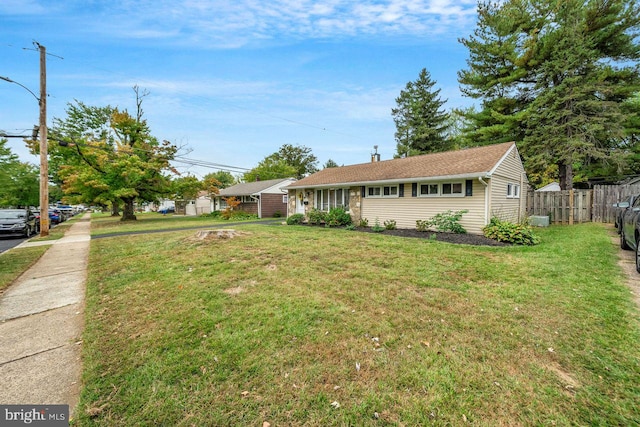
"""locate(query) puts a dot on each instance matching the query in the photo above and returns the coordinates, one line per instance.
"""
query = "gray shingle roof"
(249, 188)
(475, 161)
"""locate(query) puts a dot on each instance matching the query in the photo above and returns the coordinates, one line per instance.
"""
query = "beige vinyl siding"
(406, 210)
(510, 171)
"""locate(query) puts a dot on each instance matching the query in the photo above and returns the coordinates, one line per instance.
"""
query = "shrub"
(316, 216)
(241, 216)
(422, 225)
(350, 227)
(448, 222)
(232, 204)
(390, 224)
(214, 214)
(509, 232)
(277, 214)
(377, 227)
(337, 217)
(364, 222)
(295, 219)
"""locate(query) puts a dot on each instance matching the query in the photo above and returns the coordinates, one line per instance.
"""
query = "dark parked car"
(621, 207)
(630, 229)
(18, 222)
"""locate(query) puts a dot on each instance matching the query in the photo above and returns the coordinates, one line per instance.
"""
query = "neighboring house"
(263, 198)
(554, 186)
(487, 181)
(202, 204)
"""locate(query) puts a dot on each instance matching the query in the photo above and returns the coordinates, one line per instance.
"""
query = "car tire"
(637, 258)
(623, 241)
(27, 232)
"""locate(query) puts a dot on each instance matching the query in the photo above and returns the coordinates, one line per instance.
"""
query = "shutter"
(469, 188)
(363, 191)
(401, 190)
(414, 189)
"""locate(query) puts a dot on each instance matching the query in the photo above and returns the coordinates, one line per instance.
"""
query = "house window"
(383, 191)
(332, 198)
(447, 189)
(285, 199)
(513, 191)
(452, 189)
(429, 189)
(247, 199)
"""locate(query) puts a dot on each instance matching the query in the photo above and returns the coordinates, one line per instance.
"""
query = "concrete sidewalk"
(41, 322)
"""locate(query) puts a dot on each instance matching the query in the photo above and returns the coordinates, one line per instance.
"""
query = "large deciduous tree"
(421, 123)
(109, 156)
(19, 181)
(289, 161)
(270, 168)
(298, 156)
(220, 179)
(555, 74)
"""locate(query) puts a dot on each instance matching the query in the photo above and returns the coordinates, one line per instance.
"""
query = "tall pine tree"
(421, 124)
(554, 74)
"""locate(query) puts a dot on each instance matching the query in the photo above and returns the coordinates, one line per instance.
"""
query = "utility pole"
(44, 162)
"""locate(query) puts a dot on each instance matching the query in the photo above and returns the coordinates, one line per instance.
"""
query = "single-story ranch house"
(488, 181)
(263, 198)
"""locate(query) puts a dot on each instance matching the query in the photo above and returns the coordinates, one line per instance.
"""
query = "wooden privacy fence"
(604, 196)
(562, 207)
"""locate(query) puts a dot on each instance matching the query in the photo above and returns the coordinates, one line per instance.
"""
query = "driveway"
(627, 261)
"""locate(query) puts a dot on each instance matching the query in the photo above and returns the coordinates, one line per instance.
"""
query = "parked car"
(54, 216)
(18, 222)
(168, 210)
(620, 208)
(630, 229)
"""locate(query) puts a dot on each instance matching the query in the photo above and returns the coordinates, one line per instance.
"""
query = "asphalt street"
(7, 243)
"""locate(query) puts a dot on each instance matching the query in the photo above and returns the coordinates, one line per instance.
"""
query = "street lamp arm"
(7, 79)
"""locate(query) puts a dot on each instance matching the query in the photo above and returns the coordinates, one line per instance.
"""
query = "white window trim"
(420, 184)
(382, 195)
(513, 190)
(285, 199)
(440, 185)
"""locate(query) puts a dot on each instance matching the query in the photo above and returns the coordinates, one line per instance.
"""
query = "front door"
(300, 202)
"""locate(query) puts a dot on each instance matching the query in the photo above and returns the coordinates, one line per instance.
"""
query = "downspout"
(522, 198)
(486, 200)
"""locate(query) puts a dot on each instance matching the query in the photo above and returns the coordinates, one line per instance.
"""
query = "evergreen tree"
(421, 124)
(330, 164)
(554, 75)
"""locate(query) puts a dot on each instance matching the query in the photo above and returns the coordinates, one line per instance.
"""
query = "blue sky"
(230, 81)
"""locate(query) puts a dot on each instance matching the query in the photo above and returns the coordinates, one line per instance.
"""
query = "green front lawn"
(16, 261)
(104, 223)
(313, 326)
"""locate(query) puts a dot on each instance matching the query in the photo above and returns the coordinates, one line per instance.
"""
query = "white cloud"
(230, 24)
(21, 7)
